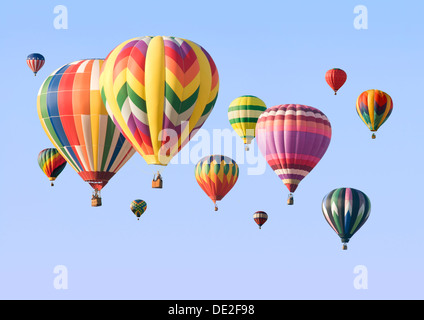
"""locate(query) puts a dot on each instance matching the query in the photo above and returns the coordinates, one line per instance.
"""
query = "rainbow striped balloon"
(293, 138)
(216, 175)
(51, 162)
(159, 91)
(243, 114)
(74, 118)
(374, 107)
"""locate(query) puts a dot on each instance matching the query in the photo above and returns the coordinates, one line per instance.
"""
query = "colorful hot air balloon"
(260, 218)
(335, 78)
(243, 114)
(35, 61)
(74, 117)
(216, 175)
(138, 207)
(293, 138)
(346, 210)
(374, 108)
(52, 163)
(159, 91)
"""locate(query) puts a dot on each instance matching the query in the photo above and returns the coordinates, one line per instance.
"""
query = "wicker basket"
(96, 201)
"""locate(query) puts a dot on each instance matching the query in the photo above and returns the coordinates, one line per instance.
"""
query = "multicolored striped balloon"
(216, 175)
(374, 107)
(346, 210)
(74, 118)
(138, 207)
(243, 115)
(293, 138)
(51, 162)
(35, 61)
(260, 218)
(335, 78)
(159, 91)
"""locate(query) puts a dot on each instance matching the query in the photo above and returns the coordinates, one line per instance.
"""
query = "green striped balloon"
(243, 115)
(346, 210)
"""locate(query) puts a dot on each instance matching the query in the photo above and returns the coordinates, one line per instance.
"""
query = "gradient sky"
(181, 248)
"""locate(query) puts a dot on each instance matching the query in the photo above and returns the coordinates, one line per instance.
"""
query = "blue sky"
(181, 248)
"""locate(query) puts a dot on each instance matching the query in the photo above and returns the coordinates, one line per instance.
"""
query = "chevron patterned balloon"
(216, 175)
(346, 210)
(159, 91)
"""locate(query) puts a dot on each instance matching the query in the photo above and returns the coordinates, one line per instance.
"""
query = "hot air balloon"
(260, 218)
(74, 118)
(51, 162)
(216, 175)
(346, 210)
(35, 61)
(159, 91)
(243, 114)
(335, 78)
(374, 108)
(293, 138)
(138, 207)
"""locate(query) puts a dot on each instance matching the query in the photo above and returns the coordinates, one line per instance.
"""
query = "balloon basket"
(157, 182)
(290, 200)
(373, 136)
(246, 148)
(216, 208)
(52, 184)
(96, 200)
(344, 246)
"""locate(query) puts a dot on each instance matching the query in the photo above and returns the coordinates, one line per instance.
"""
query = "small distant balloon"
(260, 218)
(243, 114)
(335, 78)
(346, 210)
(374, 107)
(51, 162)
(138, 207)
(35, 61)
(216, 175)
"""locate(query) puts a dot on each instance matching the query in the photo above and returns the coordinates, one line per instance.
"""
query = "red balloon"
(335, 78)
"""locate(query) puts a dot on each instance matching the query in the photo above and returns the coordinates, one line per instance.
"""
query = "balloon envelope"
(216, 175)
(51, 162)
(374, 107)
(138, 207)
(243, 114)
(74, 118)
(335, 78)
(35, 61)
(346, 210)
(293, 138)
(159, 91)
(260, 218)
